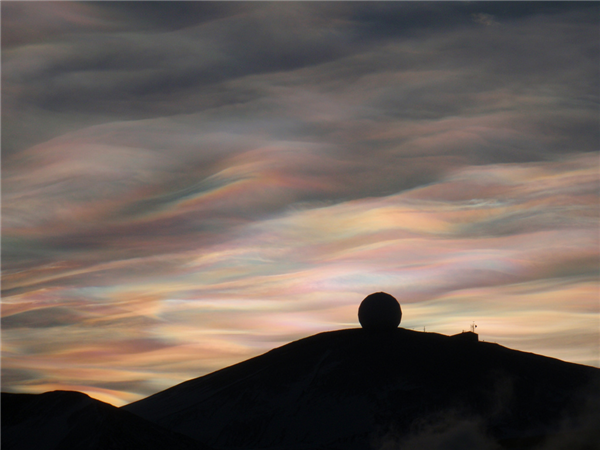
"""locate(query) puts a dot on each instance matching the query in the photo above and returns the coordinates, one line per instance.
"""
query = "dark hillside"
(66, 420)
(358, 389)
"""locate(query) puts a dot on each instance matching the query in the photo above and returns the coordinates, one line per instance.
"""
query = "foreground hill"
(66, 420)
(354, 389)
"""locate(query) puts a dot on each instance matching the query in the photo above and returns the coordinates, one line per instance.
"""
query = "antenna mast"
(473, 326)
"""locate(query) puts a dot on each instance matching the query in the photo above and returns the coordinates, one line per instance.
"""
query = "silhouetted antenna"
(473, 326)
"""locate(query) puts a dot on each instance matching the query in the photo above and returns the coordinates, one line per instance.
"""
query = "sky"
(186, 185)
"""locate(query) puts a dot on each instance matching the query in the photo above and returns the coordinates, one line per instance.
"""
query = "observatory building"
(379, 312)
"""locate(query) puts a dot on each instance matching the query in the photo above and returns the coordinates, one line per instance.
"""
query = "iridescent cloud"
(305, 270)
(196, 195)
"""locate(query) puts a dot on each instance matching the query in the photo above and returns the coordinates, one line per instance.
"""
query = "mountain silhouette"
(67, 420)
(389, 389)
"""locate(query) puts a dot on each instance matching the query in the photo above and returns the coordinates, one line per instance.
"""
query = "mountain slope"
(353, 389)
(66, 420)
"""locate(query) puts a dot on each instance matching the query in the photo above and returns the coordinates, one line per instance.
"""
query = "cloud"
(444, 430)
(484, 19)
(41, 318)
(453, 428)
(304, 270)
(577, 428)
(137, 74)
(207, 181)
(25, 24)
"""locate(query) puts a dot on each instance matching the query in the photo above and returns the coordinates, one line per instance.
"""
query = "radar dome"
(379, 311)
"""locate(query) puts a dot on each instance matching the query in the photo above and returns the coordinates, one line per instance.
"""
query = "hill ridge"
(285, 397)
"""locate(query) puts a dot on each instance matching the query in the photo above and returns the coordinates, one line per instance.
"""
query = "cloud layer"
(189, 184)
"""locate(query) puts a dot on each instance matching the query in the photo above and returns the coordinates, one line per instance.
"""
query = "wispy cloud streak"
(189, 194)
